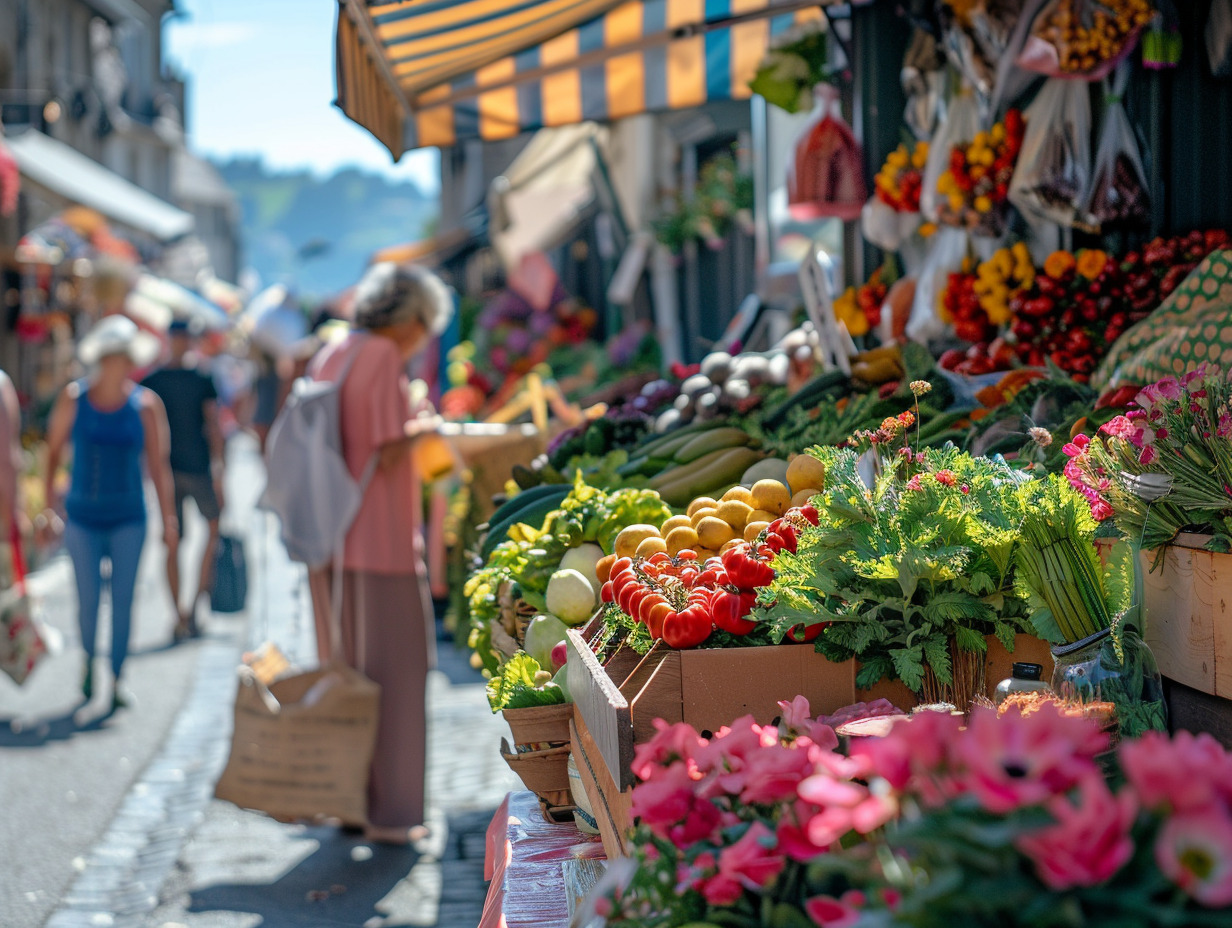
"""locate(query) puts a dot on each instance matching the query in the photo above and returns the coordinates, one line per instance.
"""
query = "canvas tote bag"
(22, 645)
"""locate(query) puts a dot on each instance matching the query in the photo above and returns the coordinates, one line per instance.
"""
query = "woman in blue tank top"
(117, 432)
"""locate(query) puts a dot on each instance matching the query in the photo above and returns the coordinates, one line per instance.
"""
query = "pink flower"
(914, 483)
(796, 721)
(946, 478)
(1185, 773)
(670, 743)
(1101, 511)
(831, 913)
(1195, 852)
(668, 804)
(772, 774)
(1090, 841)
(1169, 389)
(1198, 373)
(1147, 456)
(1077, 447)
(793, 836)
(1118, 427)
(913, 749)
(1021, 760)
(750, 863)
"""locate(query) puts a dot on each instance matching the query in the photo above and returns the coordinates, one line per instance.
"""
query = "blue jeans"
(88, 547)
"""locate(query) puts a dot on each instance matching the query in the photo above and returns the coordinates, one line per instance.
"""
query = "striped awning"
(423, 73)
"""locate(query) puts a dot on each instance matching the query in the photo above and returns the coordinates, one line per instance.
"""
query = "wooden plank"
(611, 806)
(1192, 710)
(658, 698)
(1180, 611)
(603, 707)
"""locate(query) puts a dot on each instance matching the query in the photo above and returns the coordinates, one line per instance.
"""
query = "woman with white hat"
(115, 427)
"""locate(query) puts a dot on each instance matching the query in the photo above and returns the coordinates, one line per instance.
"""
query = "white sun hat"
(118, 335)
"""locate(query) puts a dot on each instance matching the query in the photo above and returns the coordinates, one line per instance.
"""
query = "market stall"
(916, 614)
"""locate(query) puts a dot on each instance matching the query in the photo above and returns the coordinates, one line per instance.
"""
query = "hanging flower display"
(723, 198)
(975, 186)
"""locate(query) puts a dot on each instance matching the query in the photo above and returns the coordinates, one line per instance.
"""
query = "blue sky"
(261, 81)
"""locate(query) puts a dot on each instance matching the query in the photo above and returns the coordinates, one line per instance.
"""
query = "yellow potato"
(632, 536)
(753, 529)
(676, 522)
(739, 494)
(703, 514)
(713, 532)
(803, 498)
(679, 539)
(702, 502)
(729, 545)
(705, 554)
(804, 472)
(761, 515)
(734, 513)
(650, 546)
(771, 496)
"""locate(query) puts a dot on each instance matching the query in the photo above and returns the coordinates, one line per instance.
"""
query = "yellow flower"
(919, 157)
(857, 325)
(998, 312)
(955, 201)
(983, 205)
(927, 229)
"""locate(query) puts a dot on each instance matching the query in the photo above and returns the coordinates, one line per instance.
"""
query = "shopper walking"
(386, 615)
(114, 426)
(197, 459)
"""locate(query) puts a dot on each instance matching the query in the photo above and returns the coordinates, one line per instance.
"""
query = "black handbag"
(230, 576)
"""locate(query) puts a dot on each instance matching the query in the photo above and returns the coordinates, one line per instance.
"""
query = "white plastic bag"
(946, 250)
(1219, 38)
(961, 123)
(1054, 170)
(884, 226)
(1119, 191)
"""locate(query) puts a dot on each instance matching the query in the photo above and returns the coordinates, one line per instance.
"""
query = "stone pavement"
(174, 857)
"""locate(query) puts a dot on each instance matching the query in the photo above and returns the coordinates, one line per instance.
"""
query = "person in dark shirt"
(196, 458)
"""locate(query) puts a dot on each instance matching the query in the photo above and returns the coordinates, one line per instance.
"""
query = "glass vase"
(1119, 670)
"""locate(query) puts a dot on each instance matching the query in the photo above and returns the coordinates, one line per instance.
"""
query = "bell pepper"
(804, 633)
(687, 628)
(745, 570)
(729, 610)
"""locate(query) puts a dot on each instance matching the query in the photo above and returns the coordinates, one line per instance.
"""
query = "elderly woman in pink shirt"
(386, 617)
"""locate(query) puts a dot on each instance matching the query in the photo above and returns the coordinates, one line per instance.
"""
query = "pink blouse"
(385, 537)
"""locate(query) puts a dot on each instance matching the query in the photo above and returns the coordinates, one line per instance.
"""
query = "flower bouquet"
(859, 309)
(1166, 467)
(723, 198)
(912, 574)
(974, 188)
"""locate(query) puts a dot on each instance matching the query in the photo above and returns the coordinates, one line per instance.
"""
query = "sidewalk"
(174, 857)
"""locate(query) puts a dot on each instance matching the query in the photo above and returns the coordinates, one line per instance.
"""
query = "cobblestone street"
(144, 842)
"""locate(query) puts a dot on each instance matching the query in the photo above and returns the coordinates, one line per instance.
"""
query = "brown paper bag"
(302, 745)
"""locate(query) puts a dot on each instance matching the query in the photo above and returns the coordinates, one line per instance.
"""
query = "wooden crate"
(1188, 603)
(611, 806)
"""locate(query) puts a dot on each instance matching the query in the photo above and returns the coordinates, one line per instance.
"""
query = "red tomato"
(688, 628)
(805, 633)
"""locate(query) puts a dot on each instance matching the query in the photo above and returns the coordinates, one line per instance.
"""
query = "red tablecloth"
(524, 861)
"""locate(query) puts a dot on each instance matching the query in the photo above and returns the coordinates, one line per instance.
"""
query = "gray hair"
(393, 294)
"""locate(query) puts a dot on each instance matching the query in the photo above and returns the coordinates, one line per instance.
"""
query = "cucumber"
(810, 394)
(723, 471)
(674, 439)
(532, 514)
(703, 444)
(555, 491)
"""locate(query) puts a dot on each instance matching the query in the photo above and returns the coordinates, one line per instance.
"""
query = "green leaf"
(1005, 634)
(1046, 626)
(969, 639)
(873, 671)
(937, 653)
(909, 665)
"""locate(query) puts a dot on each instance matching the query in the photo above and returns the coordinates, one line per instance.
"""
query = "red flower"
(832, 913)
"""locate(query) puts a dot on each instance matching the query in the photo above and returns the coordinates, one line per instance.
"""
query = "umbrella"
(156, 301)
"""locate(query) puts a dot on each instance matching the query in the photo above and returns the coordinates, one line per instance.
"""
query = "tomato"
(659, 558)
(689, 576)
(621, 580)
(729, 611)
(651, 599)
(625, 597)
(622, 564)
(687, 628)
(656, 616)
(688, 554)
(607, 594)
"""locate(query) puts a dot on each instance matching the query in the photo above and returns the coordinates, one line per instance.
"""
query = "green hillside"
(318, 233)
